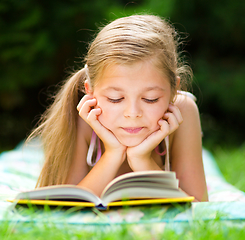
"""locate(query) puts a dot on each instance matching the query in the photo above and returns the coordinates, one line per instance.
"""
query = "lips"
(133, 130)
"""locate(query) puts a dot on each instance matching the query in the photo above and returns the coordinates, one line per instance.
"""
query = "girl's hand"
(139, 157)
(89, 112)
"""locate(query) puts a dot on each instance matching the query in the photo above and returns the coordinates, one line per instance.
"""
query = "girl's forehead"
(141, 74)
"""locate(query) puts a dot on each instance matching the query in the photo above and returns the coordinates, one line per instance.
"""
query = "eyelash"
(150, 100)
(115, 100)
(120, 99)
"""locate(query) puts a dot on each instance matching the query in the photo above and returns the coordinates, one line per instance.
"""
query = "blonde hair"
(123, 41)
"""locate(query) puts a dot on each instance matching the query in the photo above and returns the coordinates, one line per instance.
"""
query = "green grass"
(232, 164)
(198, 230)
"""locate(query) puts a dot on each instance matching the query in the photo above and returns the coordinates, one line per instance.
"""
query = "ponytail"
(58, 133)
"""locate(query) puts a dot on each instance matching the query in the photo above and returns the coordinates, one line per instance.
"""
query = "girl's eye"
(150, 100)
(113, 100)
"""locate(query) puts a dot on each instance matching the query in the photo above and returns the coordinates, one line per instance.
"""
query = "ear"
(177, 82)
(88, 88)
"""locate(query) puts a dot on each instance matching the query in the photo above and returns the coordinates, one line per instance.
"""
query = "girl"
(133, 117)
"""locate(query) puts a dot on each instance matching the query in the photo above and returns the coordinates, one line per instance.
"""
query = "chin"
(130, 142)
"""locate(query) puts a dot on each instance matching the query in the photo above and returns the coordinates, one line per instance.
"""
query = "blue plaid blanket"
(19, 170)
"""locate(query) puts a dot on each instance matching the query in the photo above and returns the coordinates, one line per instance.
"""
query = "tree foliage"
(42, 41)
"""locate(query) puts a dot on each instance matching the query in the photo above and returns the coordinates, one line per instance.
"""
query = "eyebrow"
(155, 88)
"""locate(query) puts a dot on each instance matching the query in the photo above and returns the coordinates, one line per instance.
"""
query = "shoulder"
(186, 102)
(191, 124)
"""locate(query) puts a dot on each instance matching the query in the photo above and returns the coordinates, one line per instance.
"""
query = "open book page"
(142, 193)
(142, 185)
(158, 183)
(144, 176)
(146, 185)
(61, 192)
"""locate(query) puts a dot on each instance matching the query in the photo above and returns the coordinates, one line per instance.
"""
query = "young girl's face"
(132, 98)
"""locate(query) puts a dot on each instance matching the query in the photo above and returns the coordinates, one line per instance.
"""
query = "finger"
(175, 110)
(164, 129)
(156, 137)
(86, 108)
(83, 100)
(172, 121)
(93, 115)
(92, 120)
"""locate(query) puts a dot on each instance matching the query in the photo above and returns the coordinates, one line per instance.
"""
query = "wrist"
(134, 157)
(117, 154)
(143, 164)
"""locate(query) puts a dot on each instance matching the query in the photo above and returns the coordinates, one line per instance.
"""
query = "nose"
(132, 110)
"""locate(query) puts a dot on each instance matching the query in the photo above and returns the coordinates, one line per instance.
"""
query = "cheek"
(107, 117)
(155, 115)
(157, 112)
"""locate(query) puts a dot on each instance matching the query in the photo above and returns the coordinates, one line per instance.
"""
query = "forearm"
(141, 164)
(103, 172)
(194, 187)
(203, 199)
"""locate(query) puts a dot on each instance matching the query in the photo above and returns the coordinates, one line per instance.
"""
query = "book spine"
(101, 207)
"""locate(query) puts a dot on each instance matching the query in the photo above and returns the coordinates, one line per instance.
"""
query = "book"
(135, 188)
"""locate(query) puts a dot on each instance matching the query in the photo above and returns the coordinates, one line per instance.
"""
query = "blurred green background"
(42, 41)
